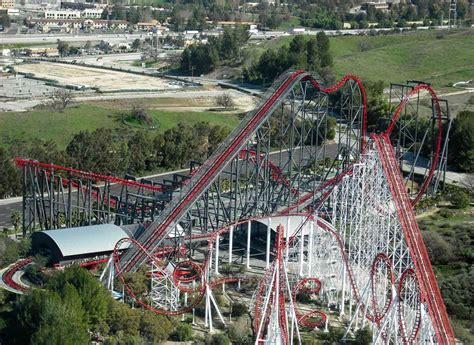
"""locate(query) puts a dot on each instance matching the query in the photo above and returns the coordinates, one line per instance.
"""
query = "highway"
(53, 38)
(6, 38)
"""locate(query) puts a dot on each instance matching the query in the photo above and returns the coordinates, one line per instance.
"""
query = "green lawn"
(60, 127)
(416, 55)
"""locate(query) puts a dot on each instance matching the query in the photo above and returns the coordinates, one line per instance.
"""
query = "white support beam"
(249, 235)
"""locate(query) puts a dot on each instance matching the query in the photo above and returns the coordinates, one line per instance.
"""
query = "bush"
(141, 115)
(239, 309)
(439, 250)
(218, 339)
(155, 328)
(240, 331)
(446, 213)
(460, 199)
(225, 101)
(183, 332)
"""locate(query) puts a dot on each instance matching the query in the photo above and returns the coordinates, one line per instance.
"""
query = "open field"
(61, 126)
(105, 80)
(420, 55)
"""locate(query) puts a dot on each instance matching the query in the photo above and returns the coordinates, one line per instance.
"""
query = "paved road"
(6, 38)
(53, 38)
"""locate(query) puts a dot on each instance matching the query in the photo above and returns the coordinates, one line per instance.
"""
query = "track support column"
(216, 265)
(269, 233)
(249, 234)
(231, 243)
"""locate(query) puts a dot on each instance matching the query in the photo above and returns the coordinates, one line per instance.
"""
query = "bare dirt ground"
(202, 100)
(105, 80)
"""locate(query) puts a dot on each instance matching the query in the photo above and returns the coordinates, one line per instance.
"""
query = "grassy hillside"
(61, 126)
(420, 55)
(448, 235)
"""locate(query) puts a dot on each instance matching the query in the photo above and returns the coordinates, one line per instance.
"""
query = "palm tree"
(16, 219)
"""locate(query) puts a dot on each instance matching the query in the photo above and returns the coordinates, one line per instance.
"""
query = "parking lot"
(16, 86)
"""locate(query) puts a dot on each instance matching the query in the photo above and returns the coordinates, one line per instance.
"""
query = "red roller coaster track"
(187, 272)
(216, 163)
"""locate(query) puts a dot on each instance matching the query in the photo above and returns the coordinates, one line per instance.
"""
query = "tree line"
(115, 151)
(73, 307)
(309, 54)
(203, 58)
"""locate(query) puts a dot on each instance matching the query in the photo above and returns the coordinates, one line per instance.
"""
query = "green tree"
(122, 338)
(142, 158)
(461, 145)
(46, 151)
(183, 332)
(87, 45)
(363, 336)
(11, 251)
(16, 220)
(218, 339)
(439, 250)
(99, 151)
(378, 109)
(312, 54)
(49, 319)
(460, 199)
(63, 48)
(10, 179)
(155, 328)
(121, 318)
(94, 296)
(5, 20)
(104, 46)
(136, 44)
(324, 54)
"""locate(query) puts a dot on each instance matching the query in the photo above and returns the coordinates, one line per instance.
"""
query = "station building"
(77, 245)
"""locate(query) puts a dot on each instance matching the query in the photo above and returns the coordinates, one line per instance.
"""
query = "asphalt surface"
(10, 38)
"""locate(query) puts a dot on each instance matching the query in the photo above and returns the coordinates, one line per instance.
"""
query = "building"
(7, 4)
(56, 25)
(95, 13)
(147, 26)
(66, 25)
(74, 245)
(103, 24)
(62, 14)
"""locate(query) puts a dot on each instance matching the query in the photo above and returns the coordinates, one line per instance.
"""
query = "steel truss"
(348, 236)
(55, 197)
(415, 134)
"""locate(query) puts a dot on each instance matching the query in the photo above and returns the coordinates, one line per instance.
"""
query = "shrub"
(439, 250)
(183, 332)
(218, 339)
(239, 309)
(240, 331)
(460, 199)
(446, 213)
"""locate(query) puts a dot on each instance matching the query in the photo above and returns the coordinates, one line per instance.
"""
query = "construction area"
(88, 77)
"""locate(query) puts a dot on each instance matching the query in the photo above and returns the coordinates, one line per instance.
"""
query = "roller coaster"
(312, 208)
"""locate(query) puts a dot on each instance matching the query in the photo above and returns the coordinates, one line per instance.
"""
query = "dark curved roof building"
(74, 244)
